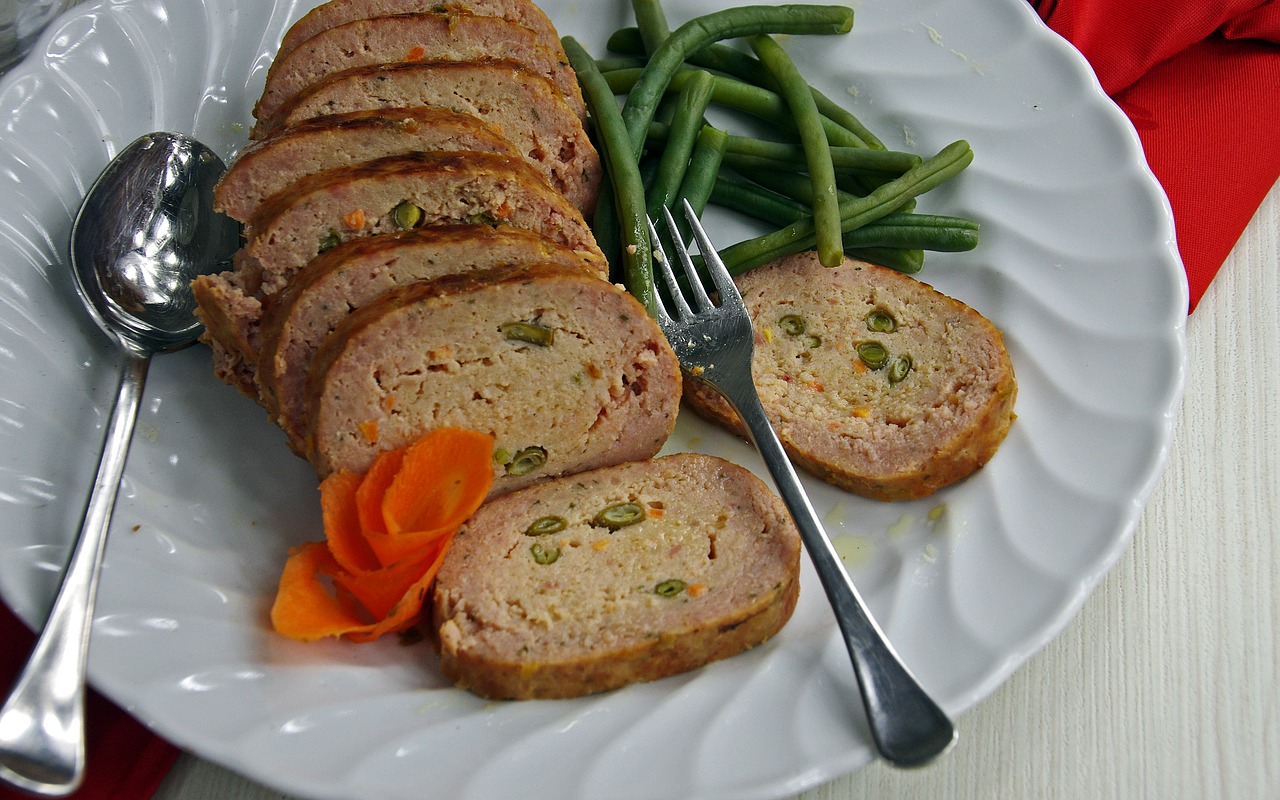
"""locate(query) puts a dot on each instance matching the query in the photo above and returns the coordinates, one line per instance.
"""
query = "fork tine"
(663, 265)
(691, 272)
(715, 265)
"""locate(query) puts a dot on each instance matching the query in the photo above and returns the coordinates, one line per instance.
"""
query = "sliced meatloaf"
(566, 370)
(354, 274)
(331, 207)
(337, 12)
(523, 106)
(270, 165)
(623, 574)
(230, 317)
(323, 210)
(453, 35)
(874, 381)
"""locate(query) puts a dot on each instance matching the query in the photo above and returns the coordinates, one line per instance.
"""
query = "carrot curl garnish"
(386, 534)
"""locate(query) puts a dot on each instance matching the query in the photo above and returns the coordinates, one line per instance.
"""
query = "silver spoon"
(146, 228)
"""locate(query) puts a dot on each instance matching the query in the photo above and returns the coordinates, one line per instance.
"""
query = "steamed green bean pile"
(824, 177)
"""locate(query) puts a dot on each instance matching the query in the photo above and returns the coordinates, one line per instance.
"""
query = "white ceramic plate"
(1077, 265)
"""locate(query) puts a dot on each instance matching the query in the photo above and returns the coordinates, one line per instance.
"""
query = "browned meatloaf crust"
(337, 12)
(711, 569)
(525, 107)
(270, 165)
(565, 369)
(855, 426)
(451, 36)
(351, 275)
(321, 210)
(290, 229)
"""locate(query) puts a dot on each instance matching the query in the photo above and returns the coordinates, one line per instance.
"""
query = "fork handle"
(908, 727)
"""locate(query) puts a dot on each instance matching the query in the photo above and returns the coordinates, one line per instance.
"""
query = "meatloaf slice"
(337, 12)
(354, 274)
(345, 203)
(448, 36)
(270, 165)
(522, 105)
(875, 381)
(322, 210)
(544, 593)
(230, 318)
(566, 370)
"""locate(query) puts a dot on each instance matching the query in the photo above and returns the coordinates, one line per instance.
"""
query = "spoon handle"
(42, 722)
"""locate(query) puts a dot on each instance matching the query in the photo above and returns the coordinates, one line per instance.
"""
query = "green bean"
(856, 159)
(768, 193)
(915, 232)
(700, 179)
(905, 261)
(699, 183)
(619, 62)
(756, 160)
(701, 31)
(738, 194)
(648, 172)
(788, 184)
(842, 158)
(608, 233)
(846, 119)
(738, 95)
(685, 125)
(798, 188)
(619, 515)
(722, 58)
(817, 151)
(854, 213)
(704, 164)
(628, 188)
(899, 231)
(651, 24)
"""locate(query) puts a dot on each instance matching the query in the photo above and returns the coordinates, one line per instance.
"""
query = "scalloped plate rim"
(817, 773)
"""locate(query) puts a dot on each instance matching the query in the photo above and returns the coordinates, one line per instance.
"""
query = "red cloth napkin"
(126, 761)
(1201, 83)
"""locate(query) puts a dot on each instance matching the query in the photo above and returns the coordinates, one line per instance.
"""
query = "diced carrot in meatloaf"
(567, 371)
(524, 106)
(315, 214)
(618, 575)
(337, 12)
(354, 274)
(271, 165)
(452, 35)
(873, 380)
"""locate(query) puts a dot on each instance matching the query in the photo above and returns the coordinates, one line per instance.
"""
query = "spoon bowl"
(145, 230)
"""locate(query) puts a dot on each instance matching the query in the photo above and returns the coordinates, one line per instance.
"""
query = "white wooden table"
(1167, 684)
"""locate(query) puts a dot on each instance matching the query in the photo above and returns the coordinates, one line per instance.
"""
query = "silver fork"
(715, 345)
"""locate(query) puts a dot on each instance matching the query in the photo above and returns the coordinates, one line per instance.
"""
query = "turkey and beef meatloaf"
(567, 371)
(358, 272)
(271, 165)
(524, 106)
(623, 574)
(398, 192)
(338, 12)
(388, 194)
(874, 381)
(450, 35)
